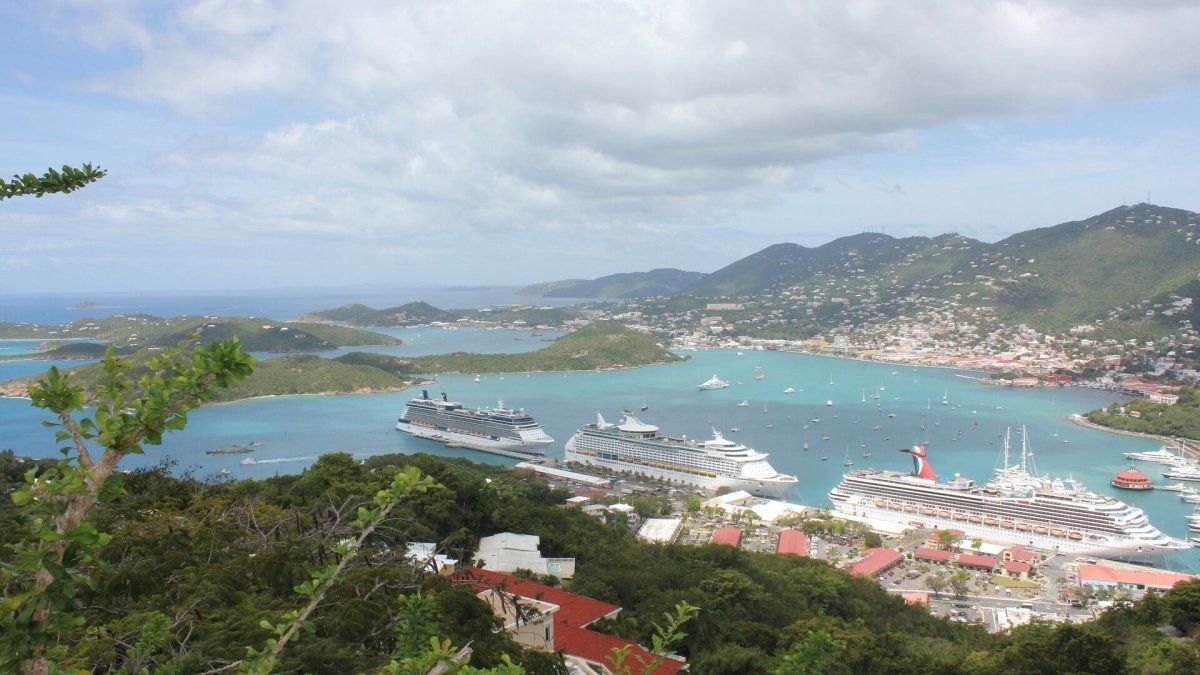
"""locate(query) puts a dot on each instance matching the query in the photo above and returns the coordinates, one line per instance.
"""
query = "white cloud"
(383, 123)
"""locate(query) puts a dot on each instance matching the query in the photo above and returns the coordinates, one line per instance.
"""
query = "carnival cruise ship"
(447, 421)
(640, 448)
(1016, 507)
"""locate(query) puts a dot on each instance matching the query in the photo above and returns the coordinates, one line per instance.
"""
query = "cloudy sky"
(268, 143)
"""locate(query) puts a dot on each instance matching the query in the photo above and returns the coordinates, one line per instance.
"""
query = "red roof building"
(980, 562)
(793, 542)
(727, 536)
(1098, 575)
(1132, 479)
(1019, 553)
(1015, 568)
(877, 560)
(915, 597)
(571, 637)
(932, 555)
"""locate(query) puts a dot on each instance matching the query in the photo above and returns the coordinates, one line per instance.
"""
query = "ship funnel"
(600, 423)
(444, 397)
(424, 394)
(921, 466)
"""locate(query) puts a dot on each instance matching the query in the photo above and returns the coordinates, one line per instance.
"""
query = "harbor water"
(845, 410)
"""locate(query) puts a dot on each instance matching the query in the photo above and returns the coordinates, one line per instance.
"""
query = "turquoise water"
(964, 436)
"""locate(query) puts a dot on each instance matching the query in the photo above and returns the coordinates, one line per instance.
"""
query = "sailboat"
(744, 404)
(644, 405)
(758, 373)
(764, 408)
(848, 462)
(864, 393)
(945, 397)
(805, 440)
(831, 379)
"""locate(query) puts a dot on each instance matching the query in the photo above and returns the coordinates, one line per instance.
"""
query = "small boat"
(744, 404)
(476, 378)
(644, 406)
(758, 373)
(815, 420)
(789, 390)
(828, 403)
(989, 521)
(1040, 529)
(891, 416)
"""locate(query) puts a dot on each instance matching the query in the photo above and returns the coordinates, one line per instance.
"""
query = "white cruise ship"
(638, 447)
(1015, 507)
(449, 422)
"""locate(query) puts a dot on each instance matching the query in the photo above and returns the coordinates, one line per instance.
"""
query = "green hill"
(404, 315)
(1108, 268)
(599, 345)
(662, 281)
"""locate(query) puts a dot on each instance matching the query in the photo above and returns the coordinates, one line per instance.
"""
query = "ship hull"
(535, 447)
(767, 488)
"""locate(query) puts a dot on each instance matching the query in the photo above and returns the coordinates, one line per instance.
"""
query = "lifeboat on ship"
(1076, 536)
(989, 521)
(959, 516)
(1054, 531)
(1007, 524)
(1023, 527)
(975, 519)
(943, 514)
(895, 506)
(909, 508)
(927, 511)
(1040, 529)
(879, 503)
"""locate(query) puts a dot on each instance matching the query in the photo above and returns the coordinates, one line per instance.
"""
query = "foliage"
(45, 576)
(68, 179)
(600, 344)
(1181, 419)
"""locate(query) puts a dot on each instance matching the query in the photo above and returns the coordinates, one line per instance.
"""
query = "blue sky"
(267, 143)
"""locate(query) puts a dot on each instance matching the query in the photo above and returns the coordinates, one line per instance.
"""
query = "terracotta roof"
(915, 597)
(728, 536)
(1021, 553)
(1017, 566)
(794, 542)
(927, 553)
(598, 647)
(1149, 579)
(977, 560)
(574, 610)
(877, 560)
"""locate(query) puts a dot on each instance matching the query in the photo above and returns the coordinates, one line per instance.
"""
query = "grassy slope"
(601, 344)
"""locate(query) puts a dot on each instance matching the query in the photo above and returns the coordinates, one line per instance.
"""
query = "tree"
(947, 539)
(50, 563)
(69, 179)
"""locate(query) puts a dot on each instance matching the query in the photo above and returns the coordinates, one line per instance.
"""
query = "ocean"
(834, 399)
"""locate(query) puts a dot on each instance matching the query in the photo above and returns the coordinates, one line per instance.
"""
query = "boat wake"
(278, 460)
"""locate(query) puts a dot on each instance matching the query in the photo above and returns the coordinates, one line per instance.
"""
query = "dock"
(512, 454)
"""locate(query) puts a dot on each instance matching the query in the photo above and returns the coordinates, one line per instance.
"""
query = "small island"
(601, 345)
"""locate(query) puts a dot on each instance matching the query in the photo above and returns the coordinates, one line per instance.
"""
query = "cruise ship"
(1016, 507)
(640, 448)
(485, 428)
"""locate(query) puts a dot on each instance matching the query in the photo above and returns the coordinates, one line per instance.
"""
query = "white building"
(509, 552)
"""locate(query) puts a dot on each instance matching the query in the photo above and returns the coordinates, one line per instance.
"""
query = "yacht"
(713, 382)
